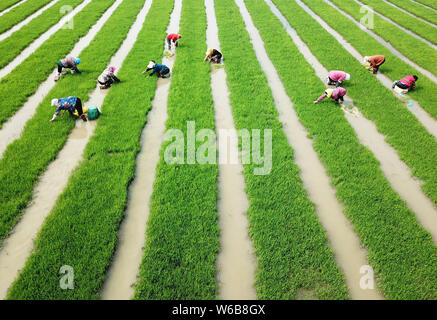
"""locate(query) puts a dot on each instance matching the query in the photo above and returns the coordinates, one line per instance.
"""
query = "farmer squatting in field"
(70, 104)
(336, 77)
(161, 69)
(67, 63)
(173, 38)
(336, 94)
(374, 62)
(107, 78)
(213, 55)
(405, 85)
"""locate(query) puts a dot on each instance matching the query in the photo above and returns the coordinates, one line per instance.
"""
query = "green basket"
(93, 113)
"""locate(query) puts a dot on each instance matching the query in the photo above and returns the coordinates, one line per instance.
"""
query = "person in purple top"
(336, 94)
(69, 104)
(336, 77)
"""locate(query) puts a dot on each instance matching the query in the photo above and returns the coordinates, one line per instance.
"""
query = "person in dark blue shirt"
(161, 69)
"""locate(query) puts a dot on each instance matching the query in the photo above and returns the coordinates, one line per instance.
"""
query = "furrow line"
(408, 31)
(40, 41)
(424, 118)
(26, 21)
(236, 262)
(410, 14)
(385, 43)
(14, 126)
(122, 274)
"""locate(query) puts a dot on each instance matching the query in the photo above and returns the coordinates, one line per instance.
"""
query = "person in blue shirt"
(161, 69)
(69, 104)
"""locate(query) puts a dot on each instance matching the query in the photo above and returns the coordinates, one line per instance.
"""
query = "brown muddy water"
(236, 261)
(424, 118)
(348, 252)
(386, 44)
(124, 269)
(13, 128)
(20, 244)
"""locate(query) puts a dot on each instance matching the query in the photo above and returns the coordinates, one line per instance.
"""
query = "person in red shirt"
(173, 37)
(406, 84)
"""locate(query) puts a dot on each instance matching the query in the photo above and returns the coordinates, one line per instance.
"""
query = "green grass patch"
(26, 158)
(182, 235)
(429, 3)
(414, 144)
(16, 15)
(14, 44)
(417, 10)
(7, 3)
(24, 80)
(418, 27)
(413, 48)
(401, 252)
(394, 68)
(290, 243)
(81, 231)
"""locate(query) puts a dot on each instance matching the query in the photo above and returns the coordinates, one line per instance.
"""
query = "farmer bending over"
(336, 94)
(70, 104)
(68, 63)
(107, 78)
(336, 77)
(213, 55)
(173, 38)
(406, 84)
(161, 69)
(375, 62)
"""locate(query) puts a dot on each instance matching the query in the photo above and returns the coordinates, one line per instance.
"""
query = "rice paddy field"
(222, 181)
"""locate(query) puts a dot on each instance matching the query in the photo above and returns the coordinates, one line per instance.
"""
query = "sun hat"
(54, 102)
(77, 61)
(348, 76)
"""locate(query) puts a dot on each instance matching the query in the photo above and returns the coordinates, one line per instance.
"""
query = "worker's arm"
(206, 58)
(337, 83)
(76, 70)
(153, 72)
(115, 78)
(323, 96)
(54, 116)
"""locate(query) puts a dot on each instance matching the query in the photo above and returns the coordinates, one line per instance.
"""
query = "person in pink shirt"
(336, 94)
(406, 84)
(336, 77)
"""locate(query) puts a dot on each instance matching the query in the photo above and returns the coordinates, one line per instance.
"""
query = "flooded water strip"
(122, 274)
(19, 245)
(46, 35)
(236, 261)
(411, 33)
(348, 252)
(386, 44)
(410, 14)
(12, 7)
(424, 118)
(26, 21)
(394, 169)
(13, 128)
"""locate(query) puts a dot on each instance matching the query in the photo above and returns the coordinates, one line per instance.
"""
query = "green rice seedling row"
(354, 171)
(415, 145)
(14, 44)
(9, 19)
(100, 181)
(284, 268)
(414, 49)
(25, 78)
(7, 4)
(27, 157)
(416, 9)
(418, 27)
(366, 45)
(182, 235)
